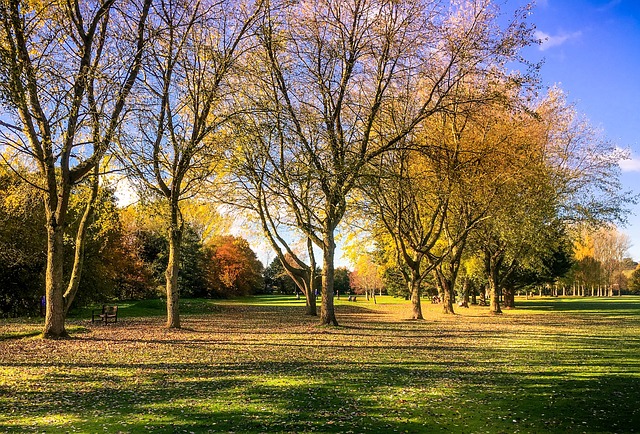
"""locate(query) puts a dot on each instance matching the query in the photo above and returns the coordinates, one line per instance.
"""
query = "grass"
(260, 365)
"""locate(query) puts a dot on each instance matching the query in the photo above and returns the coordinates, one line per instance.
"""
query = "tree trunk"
(447, 274)
(465, 293)
(492, 263)
(173, 267)
(445, 288)
(509, 298)
(312, 309)
(494, 293)
(414, 290)
(448, 297)
(327, 311)
(310, 293)
(54, 316)
(483, 297)
(78, 260)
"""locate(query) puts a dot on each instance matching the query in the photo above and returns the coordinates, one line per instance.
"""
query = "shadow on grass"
(603, 306)
(368, 376)
(305, 397)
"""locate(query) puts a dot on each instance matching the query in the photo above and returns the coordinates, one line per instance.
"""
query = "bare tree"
(346, 81)
(173, 147)
(610, 248)
(256, 180)
(67, 71)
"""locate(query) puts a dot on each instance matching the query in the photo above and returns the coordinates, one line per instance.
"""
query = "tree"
(232, 267)
(411, 201)
(394, 283)
(567, 175)
(522, 232)
(65, 96)
(276, 278)
(133, 274)
(366, 277)
(171, 151)
(254, 171)
(341, 83)
(599, 255)
(634, 282)
(22, 246)
(610, 248)
(341, 284)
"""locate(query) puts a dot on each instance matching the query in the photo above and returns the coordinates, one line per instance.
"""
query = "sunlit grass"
(261, 365)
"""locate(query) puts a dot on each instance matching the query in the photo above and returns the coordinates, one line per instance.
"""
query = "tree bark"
(54, 316)
(494, 291)
(509, 298)
(448, 300)
(494, 294)
(327, 310)
(414, 290)
(465, 293)
(492, 264)
(78, 260)
(173, 267)
(310, 293)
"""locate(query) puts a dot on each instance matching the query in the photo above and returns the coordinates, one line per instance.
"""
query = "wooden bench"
(106, 314)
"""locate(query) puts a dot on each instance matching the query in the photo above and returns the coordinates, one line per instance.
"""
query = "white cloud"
(630, 165)
(549, 41)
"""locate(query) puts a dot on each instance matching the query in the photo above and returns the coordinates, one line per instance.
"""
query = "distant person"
(43, 305)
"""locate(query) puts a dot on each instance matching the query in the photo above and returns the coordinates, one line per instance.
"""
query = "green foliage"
(102, 258)
(394, 283)
(634, 282)
(553, 265)
(276, 279)
(341, 280)
(22, 247)
(125, 255)
(192, 278)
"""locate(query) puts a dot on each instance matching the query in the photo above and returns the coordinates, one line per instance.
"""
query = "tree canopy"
(418, 121)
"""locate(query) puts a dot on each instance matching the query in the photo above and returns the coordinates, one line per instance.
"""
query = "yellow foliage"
(583, 246)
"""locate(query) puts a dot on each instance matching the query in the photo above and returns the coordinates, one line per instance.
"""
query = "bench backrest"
(109, 310)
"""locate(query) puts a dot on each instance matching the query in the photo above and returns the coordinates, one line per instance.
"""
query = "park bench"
(106, 314)
(352, 298)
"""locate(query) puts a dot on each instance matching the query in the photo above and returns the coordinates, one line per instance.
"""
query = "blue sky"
(592, 51)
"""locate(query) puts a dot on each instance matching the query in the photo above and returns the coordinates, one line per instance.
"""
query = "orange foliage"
(232, 268)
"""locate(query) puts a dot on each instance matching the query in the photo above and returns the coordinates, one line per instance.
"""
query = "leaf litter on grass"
(271, 369)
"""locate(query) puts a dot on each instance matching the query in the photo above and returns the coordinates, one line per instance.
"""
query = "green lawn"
(260, 365)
